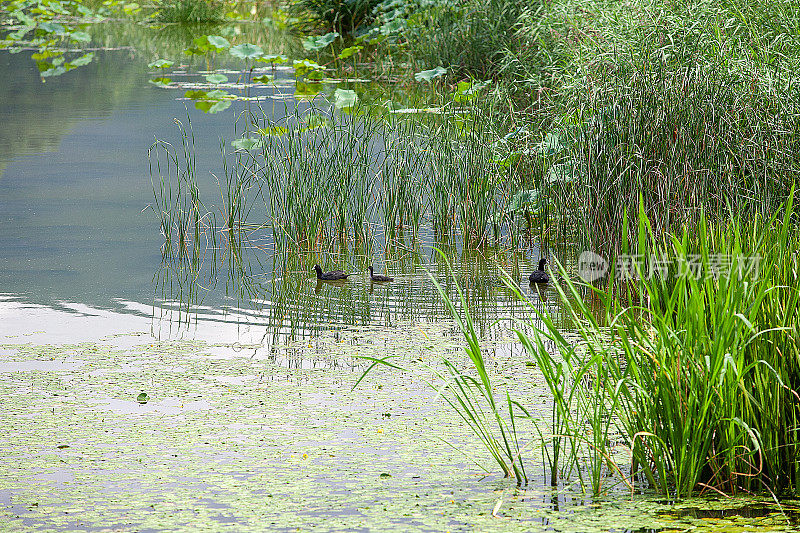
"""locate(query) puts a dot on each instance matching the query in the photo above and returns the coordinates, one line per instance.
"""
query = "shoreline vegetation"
(656, 130)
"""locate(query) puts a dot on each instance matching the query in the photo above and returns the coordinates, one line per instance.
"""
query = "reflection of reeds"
(186, 225)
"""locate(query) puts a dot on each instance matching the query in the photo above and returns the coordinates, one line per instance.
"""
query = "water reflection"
(281, 294)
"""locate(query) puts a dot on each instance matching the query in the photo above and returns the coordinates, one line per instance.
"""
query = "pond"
(135, 398)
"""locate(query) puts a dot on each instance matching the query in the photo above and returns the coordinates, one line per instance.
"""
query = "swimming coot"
(539, 276)
(333, 275)
(378, 277)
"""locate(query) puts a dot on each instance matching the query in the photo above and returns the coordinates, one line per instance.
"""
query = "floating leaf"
(161, 82)
(275, 59)
(212, 106)
(51, 27)
(219, 94)
(195, 94)
(347, 52)
(308, 68)
(247, 143)
(216, 78)
(218, 42)
(131, 8)
(526, 199)
(246, 51)
(395, 26)
(55, 71)
(318, 43)
(563, 172)
(468, 91)
(160, 63)
(316, 121)
(82, 60)
(143, 398)
(80, 36)
(265, 78)
(428, 75)
(305, 90)
(509, 160)
(551, 145)
(344, 98)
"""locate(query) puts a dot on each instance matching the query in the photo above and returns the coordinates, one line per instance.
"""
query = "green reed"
(699, 377)
(684, 141)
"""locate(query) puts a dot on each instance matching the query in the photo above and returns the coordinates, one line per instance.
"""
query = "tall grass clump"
(684, 141)
(188, 227)
(326, 177)
(698, 372)
(470, 38)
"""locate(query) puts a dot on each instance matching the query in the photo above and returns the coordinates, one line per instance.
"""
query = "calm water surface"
(75, 188)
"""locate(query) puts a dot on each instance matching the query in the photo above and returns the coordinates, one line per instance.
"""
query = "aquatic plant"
(699, 375)
(683, 141)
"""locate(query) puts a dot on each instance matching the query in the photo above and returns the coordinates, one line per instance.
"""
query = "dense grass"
(692, 106)
(698, 377)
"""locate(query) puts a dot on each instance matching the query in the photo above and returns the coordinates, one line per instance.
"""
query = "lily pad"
(85, 59)
(313, 43)
(274, 59)
(344, 98)
(216, 78)
(273, 130)
(161, 81)
(428, 75)
(160, 63)
(212, 106)
(349, 51)
(247, 143)
(246, 51)
(218, 42)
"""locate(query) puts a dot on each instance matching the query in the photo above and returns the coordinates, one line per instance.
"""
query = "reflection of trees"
(35, 115)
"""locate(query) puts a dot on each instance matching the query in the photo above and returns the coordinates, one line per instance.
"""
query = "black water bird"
(333, 275)
(378, 277)
(540, 276)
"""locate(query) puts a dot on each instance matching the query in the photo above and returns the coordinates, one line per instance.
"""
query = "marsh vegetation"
(453, 144)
